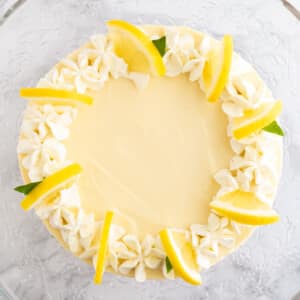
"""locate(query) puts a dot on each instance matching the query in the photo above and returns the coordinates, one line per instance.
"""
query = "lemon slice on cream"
(51, 185)
(244, 207)
(135, 47)
(181, 255)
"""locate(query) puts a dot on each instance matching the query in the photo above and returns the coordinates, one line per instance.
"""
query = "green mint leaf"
(160, 45)
(168, 264)
(27, 188)
(274, 128)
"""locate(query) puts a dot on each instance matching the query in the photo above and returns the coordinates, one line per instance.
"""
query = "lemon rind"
(225, 70)
(51, 95)
(103, 245)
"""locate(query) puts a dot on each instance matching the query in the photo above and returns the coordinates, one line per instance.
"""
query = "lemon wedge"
(53, 96)
(102, 250)
(256, 119)
(51, 185)
(217, 67)
(181, 255)
(244, 207)
(136, 48)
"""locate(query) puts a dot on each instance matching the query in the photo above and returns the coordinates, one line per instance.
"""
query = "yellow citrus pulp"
(244, 207)
(135, 47)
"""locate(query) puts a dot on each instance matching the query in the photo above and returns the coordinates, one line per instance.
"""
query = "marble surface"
(34, 34)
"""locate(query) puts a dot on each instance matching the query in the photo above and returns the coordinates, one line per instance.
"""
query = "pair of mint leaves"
(160, 45)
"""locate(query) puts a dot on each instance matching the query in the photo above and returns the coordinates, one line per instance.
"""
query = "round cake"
(177, 146)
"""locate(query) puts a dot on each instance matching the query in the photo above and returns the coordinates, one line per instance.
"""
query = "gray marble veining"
(8, 7)
(292, 8)
(34, 35)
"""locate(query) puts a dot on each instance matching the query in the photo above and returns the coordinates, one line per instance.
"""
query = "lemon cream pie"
(151, 151)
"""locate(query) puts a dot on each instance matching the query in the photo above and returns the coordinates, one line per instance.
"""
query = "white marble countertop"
(34, 34)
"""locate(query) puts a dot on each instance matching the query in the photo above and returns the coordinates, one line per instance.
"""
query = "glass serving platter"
(39, 33)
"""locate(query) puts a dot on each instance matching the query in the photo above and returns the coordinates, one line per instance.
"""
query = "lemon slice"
(181, 255)
(51, 185)
(245, 208)
(217, 68)
(53, 96)
(136, 48)
(256, 119)
(103, 244)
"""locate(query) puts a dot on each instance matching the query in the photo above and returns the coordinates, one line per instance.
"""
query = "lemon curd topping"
(152, 154)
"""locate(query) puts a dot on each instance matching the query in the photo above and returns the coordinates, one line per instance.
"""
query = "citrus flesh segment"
(51, 185)
(245, 208)
(54, 96)
(136, 48)
(256, 119)
(181, 255)
(102, 250)
(217, 68)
